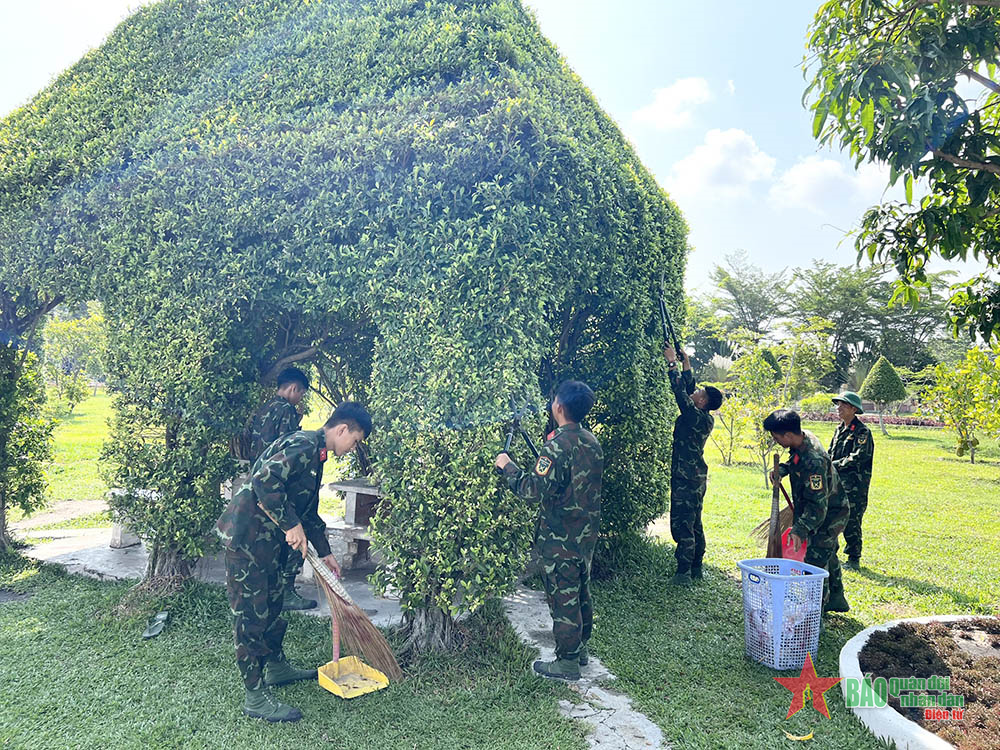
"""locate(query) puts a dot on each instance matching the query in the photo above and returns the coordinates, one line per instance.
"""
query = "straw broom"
(358, 634)
(349, 624)
(774, 526)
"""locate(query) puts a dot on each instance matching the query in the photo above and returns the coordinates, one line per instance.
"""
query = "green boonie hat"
(852, 398)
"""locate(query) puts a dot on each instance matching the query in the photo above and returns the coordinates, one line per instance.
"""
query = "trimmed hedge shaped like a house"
(419, 191)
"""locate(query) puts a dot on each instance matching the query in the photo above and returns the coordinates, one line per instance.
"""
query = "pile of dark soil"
(967, 652)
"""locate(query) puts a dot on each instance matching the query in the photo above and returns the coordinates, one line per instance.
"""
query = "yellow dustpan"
(346, 677)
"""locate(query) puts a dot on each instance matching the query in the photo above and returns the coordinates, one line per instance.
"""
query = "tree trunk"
(5, 541)
(972, 454)
(166, 562)
(429, 629)
(880, 424)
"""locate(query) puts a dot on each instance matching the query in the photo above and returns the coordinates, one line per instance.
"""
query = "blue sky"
(709, 93)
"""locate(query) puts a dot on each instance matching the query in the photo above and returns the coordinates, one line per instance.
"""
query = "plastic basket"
(782, 607)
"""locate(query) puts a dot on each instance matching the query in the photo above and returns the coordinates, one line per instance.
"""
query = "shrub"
(424, 194)
(819, 402)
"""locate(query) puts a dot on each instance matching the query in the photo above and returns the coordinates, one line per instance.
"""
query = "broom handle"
(785, 493)
(322, 569)
(773, 541)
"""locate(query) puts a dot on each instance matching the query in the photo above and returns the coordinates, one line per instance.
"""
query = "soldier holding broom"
(282, 482)
(819, 506)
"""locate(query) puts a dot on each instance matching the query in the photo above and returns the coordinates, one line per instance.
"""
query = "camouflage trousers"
(291, 569)
(256, 592)
(686, 500)
(567, 590)
(852, 534)
(822, 551)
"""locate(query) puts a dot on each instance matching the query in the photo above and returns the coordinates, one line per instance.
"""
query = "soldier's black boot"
(584, 655)
(696, 573)
(853, 563)
(837, 603)
(560, 669)
(681, 578)
(260, 704)
(293, 600)
(277, 671)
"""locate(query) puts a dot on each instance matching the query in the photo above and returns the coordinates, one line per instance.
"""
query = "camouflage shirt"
(278, 417)
(852, 450)
(284, 479)
(566, 481)
(691, 430)
(815, 485)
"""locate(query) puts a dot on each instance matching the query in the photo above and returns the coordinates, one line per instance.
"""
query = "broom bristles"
(760, 531)
(358, 635)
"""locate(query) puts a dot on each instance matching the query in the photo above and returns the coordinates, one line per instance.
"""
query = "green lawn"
(73, 473)
(932, 546)
(76, 677)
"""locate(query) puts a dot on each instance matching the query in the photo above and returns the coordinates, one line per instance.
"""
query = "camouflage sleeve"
(814, 500)
(315, 527)
(859, 458)
(689, 412)
(688, 377)
(269, 484)
(783, 468)
(544, 482)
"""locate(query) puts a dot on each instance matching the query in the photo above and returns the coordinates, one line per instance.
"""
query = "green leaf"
(822, 110)
(868, 119)
(908, 184)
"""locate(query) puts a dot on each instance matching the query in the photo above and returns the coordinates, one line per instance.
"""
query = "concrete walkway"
(87, 552)
(615, 724)
(64, 510)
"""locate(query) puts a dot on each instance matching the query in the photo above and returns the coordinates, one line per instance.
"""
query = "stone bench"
(352, 533)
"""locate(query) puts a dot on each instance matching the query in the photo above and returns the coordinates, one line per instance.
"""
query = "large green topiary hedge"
(420, 191)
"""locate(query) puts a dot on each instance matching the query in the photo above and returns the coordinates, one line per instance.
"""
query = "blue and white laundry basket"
(782, 608)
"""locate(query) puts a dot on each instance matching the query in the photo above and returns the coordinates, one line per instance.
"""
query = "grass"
(931, 547)
(85, 679)
(89, 521)
(73, 473)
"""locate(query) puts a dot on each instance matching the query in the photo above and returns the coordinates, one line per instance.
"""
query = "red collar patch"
(795, 458)
(322, 455)
(853, 425)
(550, 435)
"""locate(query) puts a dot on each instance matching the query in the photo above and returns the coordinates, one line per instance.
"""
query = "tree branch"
(992, 85)
(287, 360)
(960, 162)
(981, 3)
(30, 320)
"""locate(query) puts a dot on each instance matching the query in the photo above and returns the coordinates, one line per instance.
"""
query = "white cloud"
(730, 87)
(820, 185)
(727, 164)
(673, 106)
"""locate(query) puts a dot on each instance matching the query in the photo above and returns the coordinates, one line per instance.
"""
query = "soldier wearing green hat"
(852, 450)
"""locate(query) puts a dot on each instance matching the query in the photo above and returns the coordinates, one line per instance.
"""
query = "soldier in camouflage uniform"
(852, 450)
(820, 509)
(566, 482)
(278, 417)
(688, 470)
(283, 482)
